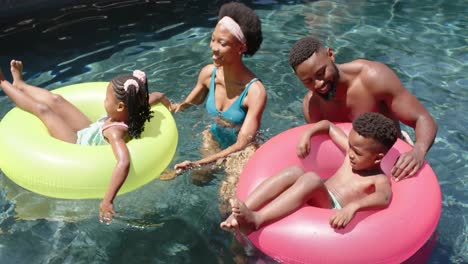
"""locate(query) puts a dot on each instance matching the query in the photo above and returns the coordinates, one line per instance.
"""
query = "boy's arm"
(322, 127)
(380, 198)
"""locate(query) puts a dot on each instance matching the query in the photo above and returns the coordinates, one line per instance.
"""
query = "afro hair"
(378, 127)
(248, 21)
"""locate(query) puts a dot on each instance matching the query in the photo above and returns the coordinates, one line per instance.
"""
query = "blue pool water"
(176, 221)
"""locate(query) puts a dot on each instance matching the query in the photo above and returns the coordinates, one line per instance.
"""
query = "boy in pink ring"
(358, 184)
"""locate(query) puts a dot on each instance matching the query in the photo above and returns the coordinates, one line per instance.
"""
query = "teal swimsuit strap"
(246, 90)
(212, 81)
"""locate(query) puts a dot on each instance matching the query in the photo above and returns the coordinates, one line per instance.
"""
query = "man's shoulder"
(369, 73)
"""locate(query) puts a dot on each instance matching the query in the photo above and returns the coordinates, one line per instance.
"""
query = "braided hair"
(248, 21)
(135, 98)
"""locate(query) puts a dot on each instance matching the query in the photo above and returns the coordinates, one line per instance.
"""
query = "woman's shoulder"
(257, 87)
(207, 69)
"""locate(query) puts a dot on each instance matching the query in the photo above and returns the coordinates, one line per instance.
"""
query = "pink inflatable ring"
(391, 235)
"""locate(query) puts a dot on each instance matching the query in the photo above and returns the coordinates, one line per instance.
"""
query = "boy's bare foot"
(230, 224)
(246, 218)
(16, 68)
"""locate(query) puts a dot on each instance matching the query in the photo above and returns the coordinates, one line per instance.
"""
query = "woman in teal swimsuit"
(235, 97)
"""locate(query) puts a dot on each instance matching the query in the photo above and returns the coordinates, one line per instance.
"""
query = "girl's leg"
(67, 111)
(57, 127)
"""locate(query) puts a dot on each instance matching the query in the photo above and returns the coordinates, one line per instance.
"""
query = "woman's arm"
(158, 97)
(115, 136)
(198, 93)
(255, 102)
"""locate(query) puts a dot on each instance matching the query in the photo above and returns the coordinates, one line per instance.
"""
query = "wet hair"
(378, 127)
(139, 110)
(303, 49)
(248, 21)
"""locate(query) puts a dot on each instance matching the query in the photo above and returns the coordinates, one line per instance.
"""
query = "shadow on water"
(52, 33)
(48, 37)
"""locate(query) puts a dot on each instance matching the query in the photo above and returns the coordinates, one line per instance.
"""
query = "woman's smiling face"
(225, 47)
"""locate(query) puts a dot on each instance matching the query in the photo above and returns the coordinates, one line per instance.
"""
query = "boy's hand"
(303, 147)
(341, 218)
(106, 212)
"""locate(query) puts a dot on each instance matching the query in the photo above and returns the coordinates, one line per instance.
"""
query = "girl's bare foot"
(246, 218)
(230, 224)
(16, 68)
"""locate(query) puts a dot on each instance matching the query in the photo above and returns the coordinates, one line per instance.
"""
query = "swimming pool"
(177, 221)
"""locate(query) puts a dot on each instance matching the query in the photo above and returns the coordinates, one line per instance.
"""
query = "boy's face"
(364, 153)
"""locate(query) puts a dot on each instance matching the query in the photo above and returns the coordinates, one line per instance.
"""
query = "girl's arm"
(198, 93)
(115, 135)
(380, 198)
(256, 102)
(322, 127)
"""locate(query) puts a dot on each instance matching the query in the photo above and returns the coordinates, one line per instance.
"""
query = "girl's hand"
(106, 212)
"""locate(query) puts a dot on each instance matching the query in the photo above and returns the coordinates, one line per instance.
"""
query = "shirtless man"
(340, 92)
(359, 183)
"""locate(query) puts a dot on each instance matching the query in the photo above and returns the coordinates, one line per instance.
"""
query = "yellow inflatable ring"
(33, 159)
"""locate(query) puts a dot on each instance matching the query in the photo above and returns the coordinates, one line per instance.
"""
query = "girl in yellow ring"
(127, 106)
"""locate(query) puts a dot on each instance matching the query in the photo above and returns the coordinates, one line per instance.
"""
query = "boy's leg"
(54, 123)
(273, 186)
(285, 203)
(67, 111)
(265, 192)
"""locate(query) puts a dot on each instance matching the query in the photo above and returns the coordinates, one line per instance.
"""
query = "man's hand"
(408, 164)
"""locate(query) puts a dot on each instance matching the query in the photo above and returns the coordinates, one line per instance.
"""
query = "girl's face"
(224, 46)
(114, 107)
(363, 152)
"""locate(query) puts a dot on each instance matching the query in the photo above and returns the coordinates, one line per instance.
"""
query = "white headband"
(233, 28)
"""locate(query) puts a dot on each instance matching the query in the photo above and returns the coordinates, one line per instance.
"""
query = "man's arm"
(385, 86)
(310, 109)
